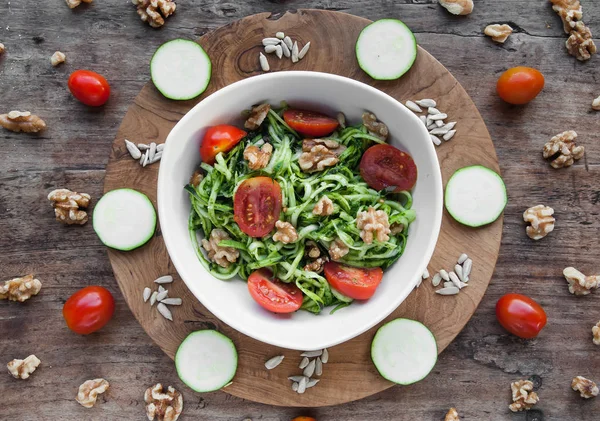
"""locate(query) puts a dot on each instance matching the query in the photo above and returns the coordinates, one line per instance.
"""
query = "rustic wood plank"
(473, 373)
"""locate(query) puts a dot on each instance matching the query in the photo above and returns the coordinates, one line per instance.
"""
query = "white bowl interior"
(229, 300)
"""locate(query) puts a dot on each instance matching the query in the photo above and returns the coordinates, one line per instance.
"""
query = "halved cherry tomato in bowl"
(383, 166)
(221, 138)
(89, 309)
(520, 315)
(310, 123)
(357, 283)
(89, 87)
(272, 294)
(520, 85)
(256, 205)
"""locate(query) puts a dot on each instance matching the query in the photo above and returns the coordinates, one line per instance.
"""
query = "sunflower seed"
(444, 275)
(461, 285)
(433, 111)
(164, 311)
(428, 122)
(341, 118)
(161, 288)
(147, 293)
(413, 107)
(425, 274)
(143, 158)
(454, 279)
(270, 41)
(319, 367)
(304, 363)
(143, 147)
(162, 295)
(441, 116)
(286, 50)
(295, 387)
(303, 51)
(450, 125)
(309, 370)
(167, 279)
(153, 298)
(426, 103)
(160, 147)
(295, 52)
(280, 35)
(448, 284)
(172, 301)
(264, 63)
(325, 356)
(462, 258)
(288, 42)
(302, 385)
(467, 266)
(296, 379)
(133, 150)
(423, 119)
(449, 135)
(312, 382)
(152, 151)
(156, 158)
(274, 362)
(437, 278)
(436, 140)
(431, 126)
(270, 49)
(448, 291)
(439, 123)
(278, 51)
(419, 282)
(459, 271)
(312, 354)
(438, 131)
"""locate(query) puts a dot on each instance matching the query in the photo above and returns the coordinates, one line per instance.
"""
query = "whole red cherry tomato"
(89, 87)
(89, 309)
(304, 419)
(520, 315)
(520, 85)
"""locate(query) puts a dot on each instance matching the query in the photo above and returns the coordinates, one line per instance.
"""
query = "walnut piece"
(74, 3)
(338, 249)
(20, 289)
(587, 389)
(373, 223)
(316, 265)
(150, 11)
(57, 58)
(541, 220)
(579, 284)
(2, 48)
(258, 158)
(22, 121)
(458, 7)
(223, 256)
(374, 126)
(562, 150)
(324, 207)
(67, 206)
(286, 233)
(196, 178)
(89, 391)
(317, 154)
(311, 249)
(396, 228)
(596, 104)
(499, 33)
(452, 415)
(257, 116)
(596, 334)
(523, 395)
(580, 43)
(163, 406)
(22, 369)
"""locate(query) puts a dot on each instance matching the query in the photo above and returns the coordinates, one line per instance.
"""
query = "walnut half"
(499, 33)
(458, 7)
(318, 154)
(286, 233)
(67, 206)
(324, 207)
(22, 369)
(374, 126)
(22, 121)
(587, 389)
(596, 104)
(373, 224)
(163, 406)
(541, 220)
(258, 158)
(223, 256)
(57, 58)
(580, 43)
(257, 116)
(562, 150)
(452, 415)
(596, 334)
(154, 11)
(89, 391)
(20, 289)
(74, 3)
(579, 284)
(523, 395)
(338, 249)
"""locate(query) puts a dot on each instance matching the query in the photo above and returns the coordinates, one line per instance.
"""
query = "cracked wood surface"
(474, 372)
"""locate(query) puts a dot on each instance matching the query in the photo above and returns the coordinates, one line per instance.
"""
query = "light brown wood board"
(234, 49)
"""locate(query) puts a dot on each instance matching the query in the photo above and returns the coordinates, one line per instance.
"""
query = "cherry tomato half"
(221, 138)
(89, 309)
(357, 283)
(310, 123)
(383, 166)
(520, 315)
(304, 419)
(89, 87)
(272, 294)
(256, 205)
(520, 85)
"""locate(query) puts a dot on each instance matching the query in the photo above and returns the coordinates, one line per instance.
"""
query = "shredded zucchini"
(212, 207)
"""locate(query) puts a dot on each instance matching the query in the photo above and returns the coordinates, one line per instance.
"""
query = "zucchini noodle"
(212, 207)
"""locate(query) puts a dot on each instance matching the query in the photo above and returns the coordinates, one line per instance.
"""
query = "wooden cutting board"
(234, 49)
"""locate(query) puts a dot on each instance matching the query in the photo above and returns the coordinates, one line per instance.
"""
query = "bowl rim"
(223, 315)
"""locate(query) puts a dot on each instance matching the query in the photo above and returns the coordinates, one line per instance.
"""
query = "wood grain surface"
(350, 374)
(472, 374)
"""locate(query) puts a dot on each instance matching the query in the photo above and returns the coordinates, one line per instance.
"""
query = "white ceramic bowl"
(229, 300)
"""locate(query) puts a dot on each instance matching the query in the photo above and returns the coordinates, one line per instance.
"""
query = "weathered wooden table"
(473, 374)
